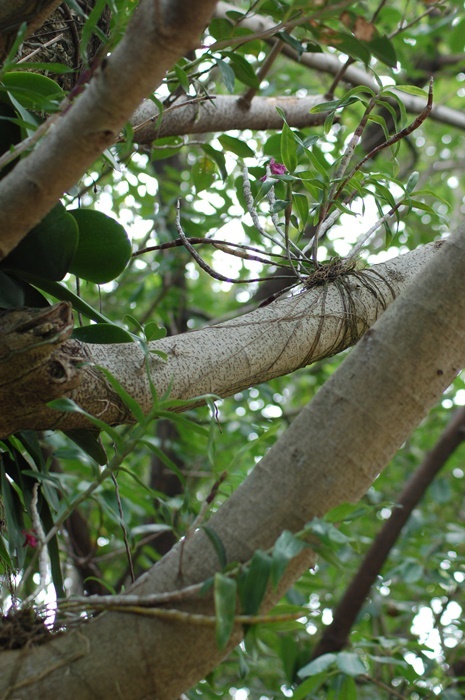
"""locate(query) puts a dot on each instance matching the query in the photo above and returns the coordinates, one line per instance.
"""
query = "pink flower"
(30, 540)
(276, 169)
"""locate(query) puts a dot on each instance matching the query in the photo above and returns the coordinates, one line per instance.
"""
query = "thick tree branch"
(159, 33)
(327, 63)
(330, 454)
(222, 113)
(38, 363)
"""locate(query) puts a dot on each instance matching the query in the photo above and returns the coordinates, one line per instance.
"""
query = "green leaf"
(286, 547)
(411, 90)
(166, 147)
(254, 581)
(243, 70)
(153, 331)
(59, 291)
(5, 561)
(279, 205)
(11, 292)
(225, 608)
(88, 441)
(288, 148)
(127, 399)
(90, 27)
(383, 49)
(308, 686)
(48, 248)
(33, 91)
(240, 148)
(218, 545)
(227, 74)
(318, 665)
(412, 182)
(203, 173)
(104, 248)
(300, 206)
(350, 664)
(70, 406)
(182, 76)
(218, 157)
(102, 334)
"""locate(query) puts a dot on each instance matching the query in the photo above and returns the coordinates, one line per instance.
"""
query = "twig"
(418, 121)
(365, 236)
(247, 190)
(248, 96)
(384, 686)
(201, 262)
(225, 246)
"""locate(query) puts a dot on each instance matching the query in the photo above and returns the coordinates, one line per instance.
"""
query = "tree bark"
(222, 113)
(39, 363)
(330, 454)
(159, 33)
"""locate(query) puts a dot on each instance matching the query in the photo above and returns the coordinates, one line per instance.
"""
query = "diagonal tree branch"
(159, 33)
(38, 361)
(331, 453)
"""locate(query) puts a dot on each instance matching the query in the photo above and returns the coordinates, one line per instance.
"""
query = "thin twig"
(402, 134)
(248, 96)
(201, 262)
(364, 237)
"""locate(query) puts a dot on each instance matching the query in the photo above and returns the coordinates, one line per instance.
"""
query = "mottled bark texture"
(330, 454)
(39, 361)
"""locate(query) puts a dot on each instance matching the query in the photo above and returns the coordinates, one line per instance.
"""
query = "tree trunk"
(331, 454)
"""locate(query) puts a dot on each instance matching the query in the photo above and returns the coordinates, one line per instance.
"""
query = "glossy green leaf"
(127, 399)
(286, 547)
(218, 545)
(104, 248)
(254, 581)
(227, 74)
(225, 608)
(243, 70)
(203, 173)
(318, 665)
(166, 147)
(33, 91)
(88, 441)
(288, 148)
(48, 248)
(237, 146)
(383, 48)
(102, 334)
(350, 664)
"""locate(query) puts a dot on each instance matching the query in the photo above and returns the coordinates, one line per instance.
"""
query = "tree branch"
(222, 113)
(327, 63)
(159, 33)
(331, 453)
(38, 361)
